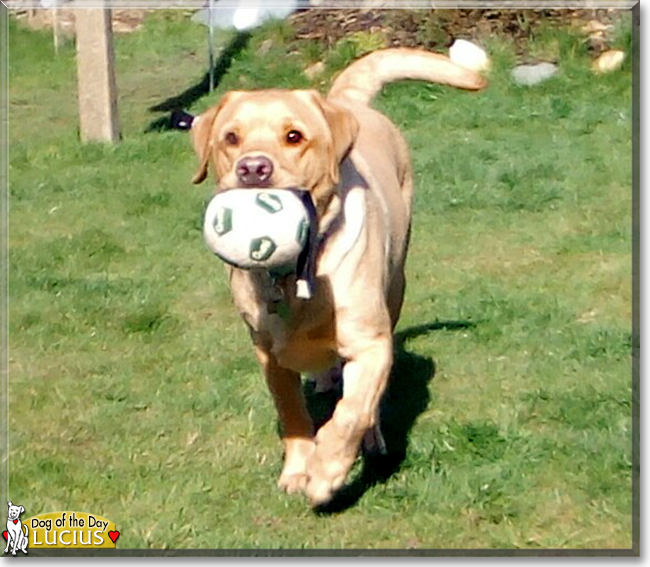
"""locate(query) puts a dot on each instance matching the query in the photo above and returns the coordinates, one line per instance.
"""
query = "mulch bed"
(437, 29)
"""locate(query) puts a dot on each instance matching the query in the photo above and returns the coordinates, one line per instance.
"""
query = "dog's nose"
(254, 170)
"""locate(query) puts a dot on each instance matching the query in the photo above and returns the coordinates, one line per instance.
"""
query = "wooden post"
(56, 28)
(98, 115)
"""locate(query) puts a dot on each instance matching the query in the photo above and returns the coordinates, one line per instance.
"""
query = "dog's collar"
(344, 212)
(306, 268)
(319, 230)
(306, 264)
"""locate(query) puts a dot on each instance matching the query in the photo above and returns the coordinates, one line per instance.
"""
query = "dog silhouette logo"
(15, 536)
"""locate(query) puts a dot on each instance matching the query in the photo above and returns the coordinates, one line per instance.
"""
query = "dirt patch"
(124, 20)
(437, 29)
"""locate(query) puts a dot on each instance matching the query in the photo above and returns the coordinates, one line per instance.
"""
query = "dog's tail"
(364, 78)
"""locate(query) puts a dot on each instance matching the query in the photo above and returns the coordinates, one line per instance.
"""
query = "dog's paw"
(325, 478)
(294, 471)
(320, 490)
(292, 483)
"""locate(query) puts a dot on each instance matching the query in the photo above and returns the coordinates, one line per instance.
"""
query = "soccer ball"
(257, 228)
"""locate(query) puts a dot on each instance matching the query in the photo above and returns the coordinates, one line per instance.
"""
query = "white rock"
(468, 55)
(594, 26)
(246, 18)
(529, 75)
(243, 14)
(609, 61)
(314, 70)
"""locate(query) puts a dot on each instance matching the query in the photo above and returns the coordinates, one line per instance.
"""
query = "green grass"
(133, 390)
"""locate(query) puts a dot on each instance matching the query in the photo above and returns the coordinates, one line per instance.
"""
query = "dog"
(355, 165)
(15, 532)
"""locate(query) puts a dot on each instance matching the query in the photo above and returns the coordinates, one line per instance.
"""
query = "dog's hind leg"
(329, 379)
(24, 540)
(373, 441)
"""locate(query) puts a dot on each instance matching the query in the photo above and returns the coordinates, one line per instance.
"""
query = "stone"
(609, 61)
(265, 47)
(468, 55)
(529, 75)
(594, 26)
(314, 70)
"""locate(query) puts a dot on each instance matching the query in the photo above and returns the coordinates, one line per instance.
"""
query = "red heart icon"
(15, 521)
(4, 534)
(114, 535)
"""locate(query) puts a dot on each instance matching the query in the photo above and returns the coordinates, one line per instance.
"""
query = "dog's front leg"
(365, 375)
(296, 424)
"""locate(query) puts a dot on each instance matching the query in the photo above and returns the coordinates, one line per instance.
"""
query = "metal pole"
(55, 27)
(211, 44)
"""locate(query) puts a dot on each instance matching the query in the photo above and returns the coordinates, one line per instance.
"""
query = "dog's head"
(14, 511)
(275, 138)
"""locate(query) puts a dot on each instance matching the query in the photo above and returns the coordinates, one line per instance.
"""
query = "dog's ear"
(9, 504)
(344, 128)
(203, 137)
(202, 141)
(22, 509)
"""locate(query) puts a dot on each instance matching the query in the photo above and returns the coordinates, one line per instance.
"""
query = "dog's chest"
(300, 333)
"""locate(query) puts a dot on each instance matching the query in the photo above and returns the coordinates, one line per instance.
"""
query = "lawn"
(133, 390)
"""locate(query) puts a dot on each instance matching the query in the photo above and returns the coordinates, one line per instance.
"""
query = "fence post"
(98, 113)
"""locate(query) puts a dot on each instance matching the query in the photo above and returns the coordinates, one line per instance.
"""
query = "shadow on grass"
(407, 396)
(191, 95)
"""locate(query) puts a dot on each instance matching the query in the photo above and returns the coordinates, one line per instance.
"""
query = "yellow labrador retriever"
(355, 164)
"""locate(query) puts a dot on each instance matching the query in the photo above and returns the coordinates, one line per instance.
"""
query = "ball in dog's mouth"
(272, 229)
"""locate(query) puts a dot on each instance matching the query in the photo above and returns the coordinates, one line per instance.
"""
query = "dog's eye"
(294, 137)
(232, 139)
